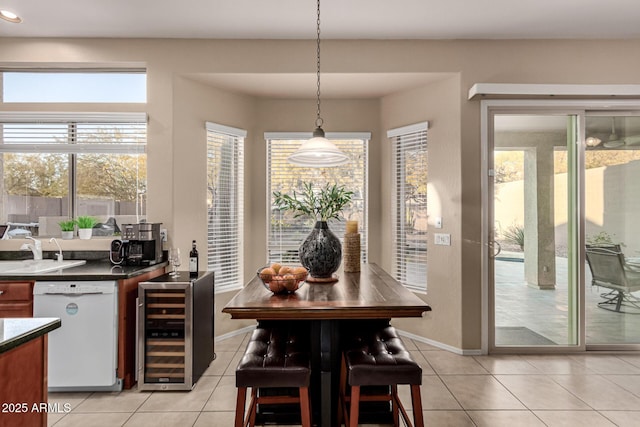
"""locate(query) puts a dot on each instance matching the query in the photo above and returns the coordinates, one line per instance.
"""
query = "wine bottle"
(193, 260)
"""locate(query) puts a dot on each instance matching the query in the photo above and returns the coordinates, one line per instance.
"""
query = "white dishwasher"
(83, 351)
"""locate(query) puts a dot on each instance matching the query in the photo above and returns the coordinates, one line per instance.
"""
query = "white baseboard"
(462, 352)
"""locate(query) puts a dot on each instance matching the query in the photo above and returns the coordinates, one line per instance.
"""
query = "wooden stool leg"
(342, 403)
(416, 402)
(305, 406)
(355, 406)
(253, 407)
(394, 405)
(240, 401)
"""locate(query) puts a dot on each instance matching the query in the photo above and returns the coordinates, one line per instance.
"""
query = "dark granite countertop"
(15, 332)
(92, 270)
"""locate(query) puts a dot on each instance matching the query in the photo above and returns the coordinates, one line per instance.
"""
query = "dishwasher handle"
(73, 294)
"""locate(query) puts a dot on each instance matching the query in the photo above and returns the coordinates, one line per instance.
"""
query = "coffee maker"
(141, 244)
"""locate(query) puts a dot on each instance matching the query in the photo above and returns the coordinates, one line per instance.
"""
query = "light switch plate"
(443, 239)
(438, 222)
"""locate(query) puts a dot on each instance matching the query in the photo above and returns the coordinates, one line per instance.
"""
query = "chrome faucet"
(59, 254)
(36, 248)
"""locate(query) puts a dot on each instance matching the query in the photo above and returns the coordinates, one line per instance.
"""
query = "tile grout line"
(449, 390)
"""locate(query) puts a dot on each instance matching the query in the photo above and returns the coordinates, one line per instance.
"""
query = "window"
(410, 166)
(74, 86)
(225, 202)
(285, 233)
(59, 165)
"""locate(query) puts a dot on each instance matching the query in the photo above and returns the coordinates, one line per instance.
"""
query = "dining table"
(371, 294)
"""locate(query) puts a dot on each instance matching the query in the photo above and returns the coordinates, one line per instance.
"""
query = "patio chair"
(609, 270)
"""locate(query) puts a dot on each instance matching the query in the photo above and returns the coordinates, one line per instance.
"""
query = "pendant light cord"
(319, 120)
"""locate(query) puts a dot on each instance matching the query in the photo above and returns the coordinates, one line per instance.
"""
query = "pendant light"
(318, 151)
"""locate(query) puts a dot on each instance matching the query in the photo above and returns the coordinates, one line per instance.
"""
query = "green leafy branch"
(322, 205)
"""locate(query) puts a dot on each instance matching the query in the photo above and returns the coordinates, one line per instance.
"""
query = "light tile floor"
(493, 391)
(546, 312)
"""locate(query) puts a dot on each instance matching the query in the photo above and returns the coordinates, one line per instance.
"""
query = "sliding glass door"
(534, 290)
(612, 226)
(563, 229)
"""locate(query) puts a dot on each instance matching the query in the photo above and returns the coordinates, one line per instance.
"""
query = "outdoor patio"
(529, 316)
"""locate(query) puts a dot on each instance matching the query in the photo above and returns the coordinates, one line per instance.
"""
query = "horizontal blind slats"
(72, 136)
(410, 157)
(225, 204)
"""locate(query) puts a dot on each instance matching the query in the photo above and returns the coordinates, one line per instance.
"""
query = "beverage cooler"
(175, 330)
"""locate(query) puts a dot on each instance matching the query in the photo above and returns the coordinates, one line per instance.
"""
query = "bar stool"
(276, 356)
(377, 357)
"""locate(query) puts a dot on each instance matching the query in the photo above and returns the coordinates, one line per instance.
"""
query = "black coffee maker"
(141, 245)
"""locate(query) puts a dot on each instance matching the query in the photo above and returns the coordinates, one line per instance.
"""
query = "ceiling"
(303, 85)
(344, 19)
(340, 19)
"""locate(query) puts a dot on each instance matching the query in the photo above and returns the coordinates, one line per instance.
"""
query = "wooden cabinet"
(24, 382)
(16, 299)
(127, 311)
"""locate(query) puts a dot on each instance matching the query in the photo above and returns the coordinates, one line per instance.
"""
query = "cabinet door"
(16, 291)
(16, 309)
(23, 370)
(16, 299)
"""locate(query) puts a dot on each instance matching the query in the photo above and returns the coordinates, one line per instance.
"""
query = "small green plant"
(602, 238)
(86, 221)
(67, 225)
(321, 205)
(514, 234)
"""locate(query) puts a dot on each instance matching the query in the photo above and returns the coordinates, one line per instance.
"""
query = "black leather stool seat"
(275, 357)
(379, 357)
(374, 355)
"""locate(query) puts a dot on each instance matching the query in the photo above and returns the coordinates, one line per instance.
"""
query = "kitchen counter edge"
(92, 270)
(22, 330)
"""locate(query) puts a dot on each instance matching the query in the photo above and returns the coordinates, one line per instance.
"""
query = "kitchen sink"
(36, 267)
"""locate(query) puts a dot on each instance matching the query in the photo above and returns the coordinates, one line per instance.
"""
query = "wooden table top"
(369, 294)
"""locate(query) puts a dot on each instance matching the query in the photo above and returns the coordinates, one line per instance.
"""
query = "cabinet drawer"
(17, 309)
(16, 291)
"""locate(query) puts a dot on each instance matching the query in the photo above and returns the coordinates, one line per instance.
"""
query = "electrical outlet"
(443, 239)
(163, 234)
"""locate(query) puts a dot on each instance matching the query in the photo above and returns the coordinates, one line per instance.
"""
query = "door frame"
(579, 107)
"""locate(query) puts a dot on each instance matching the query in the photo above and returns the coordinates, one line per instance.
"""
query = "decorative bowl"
(292, 279)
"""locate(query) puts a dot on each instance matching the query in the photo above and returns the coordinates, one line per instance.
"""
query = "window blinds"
(66, 133)
(410, 167)
(286, 233)
(225, 205)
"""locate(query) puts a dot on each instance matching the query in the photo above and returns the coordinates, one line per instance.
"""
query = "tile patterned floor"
(493, 391)
(546, 312)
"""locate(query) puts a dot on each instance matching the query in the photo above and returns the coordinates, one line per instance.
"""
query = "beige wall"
(438, 103)
(178, 107)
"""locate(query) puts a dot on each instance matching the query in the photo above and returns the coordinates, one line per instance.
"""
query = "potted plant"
(67, 227)
(85, 226)
(321, 252)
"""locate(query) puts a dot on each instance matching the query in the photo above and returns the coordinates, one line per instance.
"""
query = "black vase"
(321, 252)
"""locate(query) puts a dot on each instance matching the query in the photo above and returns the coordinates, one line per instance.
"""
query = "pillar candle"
(352, 227)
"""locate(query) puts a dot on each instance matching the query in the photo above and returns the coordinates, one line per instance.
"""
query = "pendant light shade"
(318, 151)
